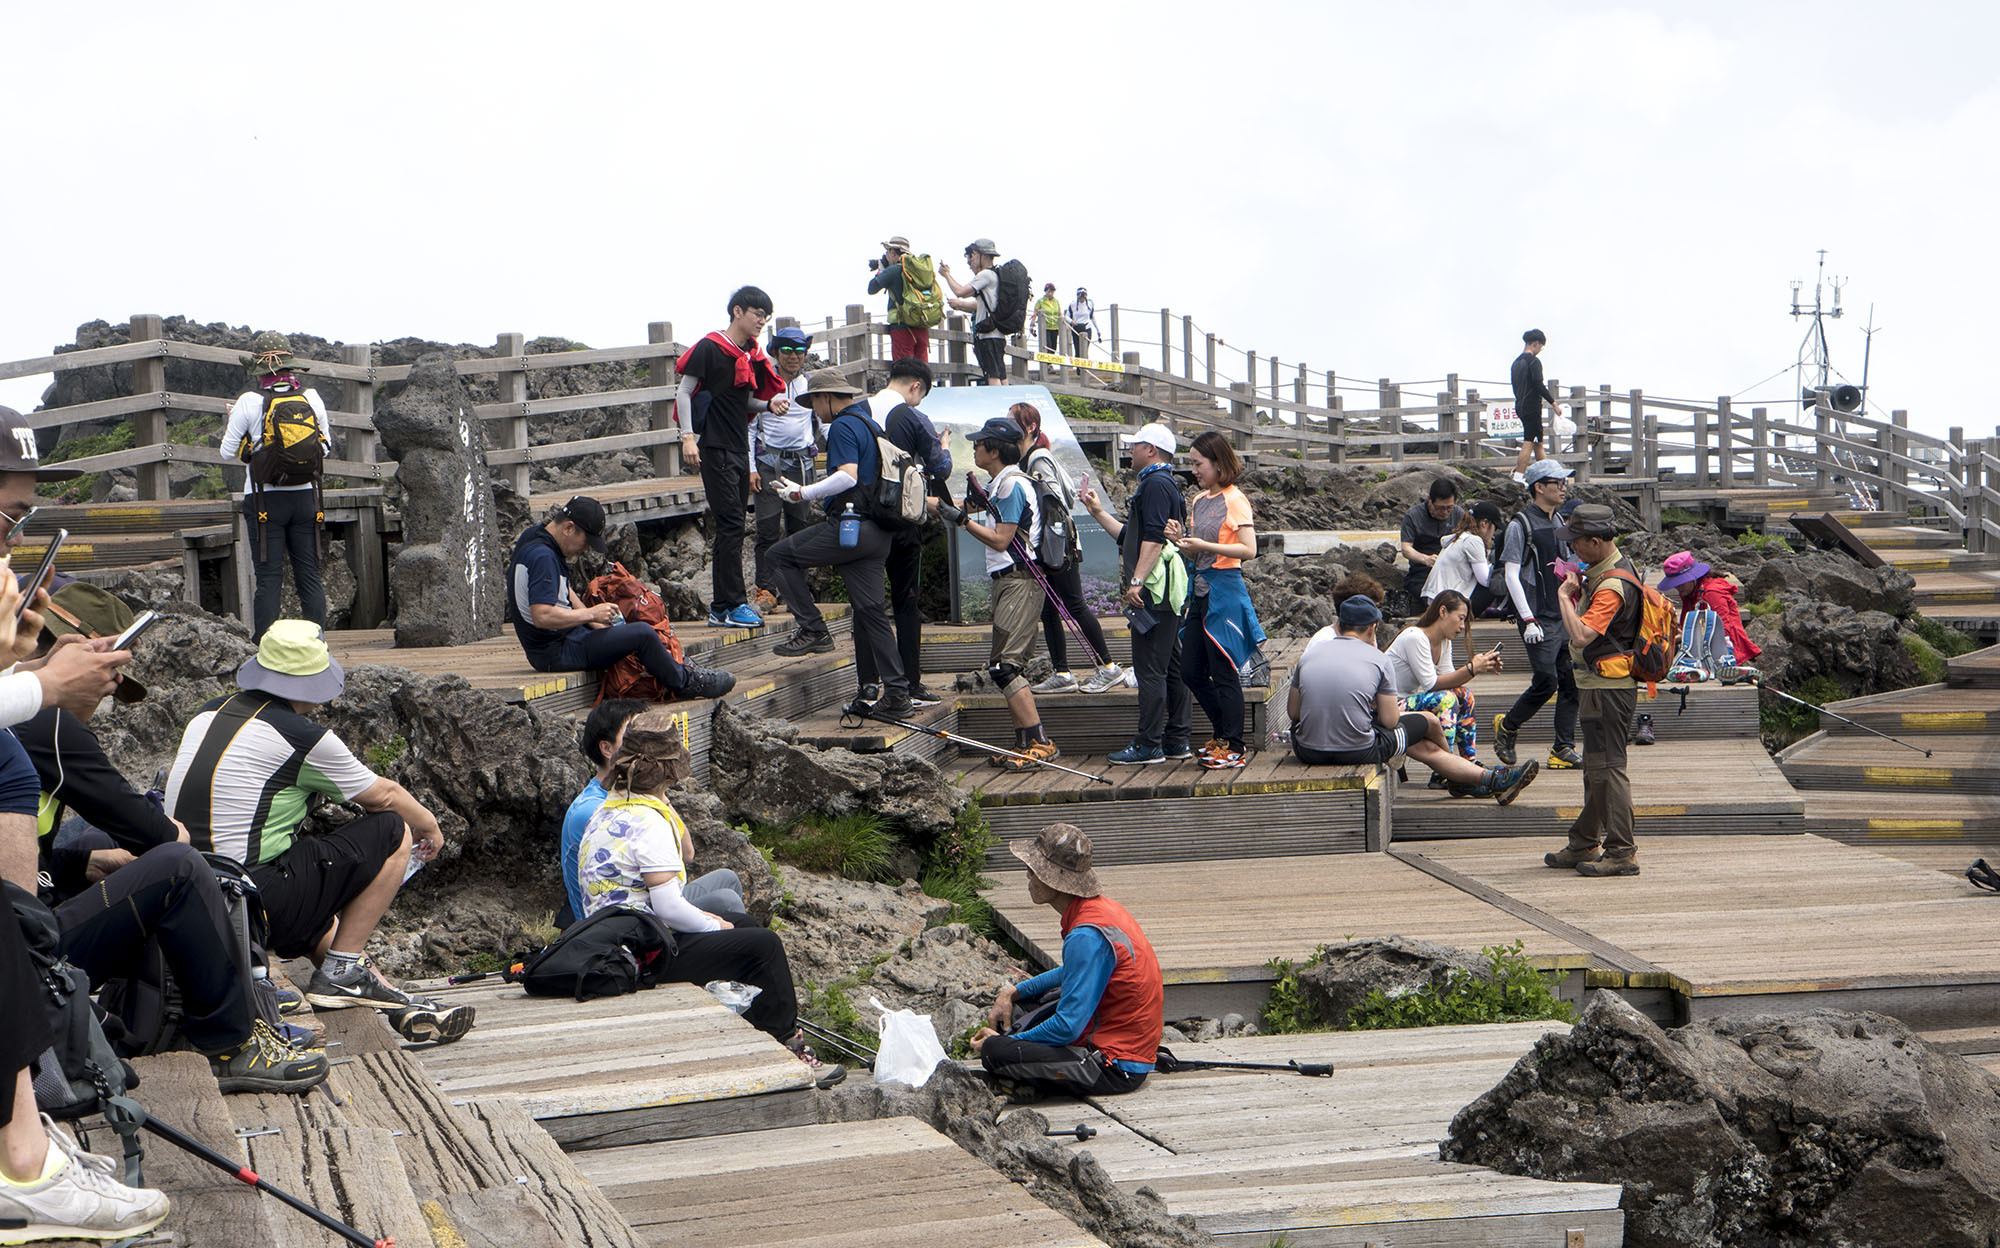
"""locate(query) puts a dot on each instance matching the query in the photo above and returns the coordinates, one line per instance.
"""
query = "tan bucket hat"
(1060, 858)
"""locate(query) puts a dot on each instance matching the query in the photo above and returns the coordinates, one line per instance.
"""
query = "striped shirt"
(242, 789)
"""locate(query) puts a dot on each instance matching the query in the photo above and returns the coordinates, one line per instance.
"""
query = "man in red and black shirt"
(740, 381)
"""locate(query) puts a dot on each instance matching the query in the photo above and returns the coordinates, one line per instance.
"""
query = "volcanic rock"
(1342, 975)
(762, 774)
(1781, 1131)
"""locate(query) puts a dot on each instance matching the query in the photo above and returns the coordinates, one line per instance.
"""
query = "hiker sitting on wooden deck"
(634, 853)
(1101, 1033)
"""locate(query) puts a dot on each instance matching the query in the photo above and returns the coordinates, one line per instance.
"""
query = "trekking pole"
(1169, 1064)
(859, 1051)
(133, 1112)
(1019, 550)
(1837, 715)
(956, 739)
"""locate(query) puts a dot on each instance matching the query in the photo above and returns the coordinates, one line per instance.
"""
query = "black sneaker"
(266, 1063)
(431, 1022)
(864, 701)
(1644, 734)
(363, 985)
(803, 642)
(706, 682)
(922, 696)
(1503, 741)
(892, 706)
(1176, 752)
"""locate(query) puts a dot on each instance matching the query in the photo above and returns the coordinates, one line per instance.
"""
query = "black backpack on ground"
(613, 952)
(80, 1070)
(1010, 300)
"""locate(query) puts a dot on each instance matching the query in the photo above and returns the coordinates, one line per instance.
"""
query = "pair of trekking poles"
(1166, 1063)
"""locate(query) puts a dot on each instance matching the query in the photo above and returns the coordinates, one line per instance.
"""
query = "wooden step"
(1967, 1041)
(1859, 519)
(1932, 817)
(1940, 589)
(829, 729)
(1926, 709)
(1908, 537)
(1978, 668)
(1855, 761)
(1939, 560)
(949, 649)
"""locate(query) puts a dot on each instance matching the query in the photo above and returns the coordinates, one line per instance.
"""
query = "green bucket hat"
(270, 352)
(95, 612)
(293, 662)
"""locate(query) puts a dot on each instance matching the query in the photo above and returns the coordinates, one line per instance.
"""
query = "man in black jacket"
(1530, 392)
(895, 412)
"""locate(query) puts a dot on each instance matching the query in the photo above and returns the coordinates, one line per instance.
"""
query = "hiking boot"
(267, 1063)
(81, 1200)
(1644, 734)
(892, 706)
(743, 615)
(432, 1021)
(1108, 677)
(1438, 781)
(1037, 752)
(804, 641)
(1508, 783)
(705, 682)
(1570, 859)
(1610, 864)
(362, 985)
(1056, 682)
(923, 696)
(825, 1074)
(1564, 757)
(1136, 756)
(1503, 741)
(764, 602)
(864, 701)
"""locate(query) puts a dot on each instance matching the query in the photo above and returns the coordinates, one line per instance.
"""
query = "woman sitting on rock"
(634, 854)
(1428, 678)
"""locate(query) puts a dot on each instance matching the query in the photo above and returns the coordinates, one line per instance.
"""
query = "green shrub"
(857, 846)
(1511, 990)
(1286, 1012)
(952, 865)
(1670, 516)
(1767, 605)
(379, 756)
(1943, 638)
(1769, 543)
(1930, 664)
(1076, 408)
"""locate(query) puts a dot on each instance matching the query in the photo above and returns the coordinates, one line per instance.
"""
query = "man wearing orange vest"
(1103, 1032)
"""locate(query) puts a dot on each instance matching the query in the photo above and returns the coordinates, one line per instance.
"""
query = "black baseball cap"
(586, 513)
(20, 453)
(997, 429)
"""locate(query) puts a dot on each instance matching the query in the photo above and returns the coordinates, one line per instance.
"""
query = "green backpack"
(922, 304)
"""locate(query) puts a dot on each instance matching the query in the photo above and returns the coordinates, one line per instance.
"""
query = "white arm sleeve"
(676, 911)
(1519, 595)
(20, 697)
(242, 415)
(684, 404)
(1482, 572)
(833, 483)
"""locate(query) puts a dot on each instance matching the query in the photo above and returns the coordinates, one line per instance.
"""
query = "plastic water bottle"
(850, 528)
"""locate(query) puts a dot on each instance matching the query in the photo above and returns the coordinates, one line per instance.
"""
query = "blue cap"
(1358, 612)
(798, 339)
(1544, 470)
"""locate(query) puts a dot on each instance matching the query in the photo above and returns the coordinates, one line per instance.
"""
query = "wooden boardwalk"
(879, 1184)
(1346, 1161)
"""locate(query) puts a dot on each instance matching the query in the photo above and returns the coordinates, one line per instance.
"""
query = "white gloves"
(1532, 634)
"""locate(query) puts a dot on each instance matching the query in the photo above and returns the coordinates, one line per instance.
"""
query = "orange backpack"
(628, 678)
(1653, 647)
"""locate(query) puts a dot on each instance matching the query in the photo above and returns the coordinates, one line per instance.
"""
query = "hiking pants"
(284, 525)
(1058, 1069)
(906, 343)
(1163, 696)
(1068, 585)
(168, 895)
(725, 478)
(1554, 678)
(750, 955)
(776, 518)
(1211, 675)
(24, 1030)
(905, 570)
(594, 649)
(861, 567)
(1606, 817)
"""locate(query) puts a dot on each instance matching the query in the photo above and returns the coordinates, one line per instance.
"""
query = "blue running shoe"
(744, 616)
(718, 619)
(1137, 756)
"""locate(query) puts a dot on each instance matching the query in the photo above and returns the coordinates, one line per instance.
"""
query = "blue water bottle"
(850, 528)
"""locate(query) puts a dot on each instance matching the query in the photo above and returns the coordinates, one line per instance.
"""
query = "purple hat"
(1682, 567)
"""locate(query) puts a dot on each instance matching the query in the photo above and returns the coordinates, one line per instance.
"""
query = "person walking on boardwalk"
(740, 381)
(1529, 554)
(1099, 1035)
(1601, 614)
(1345, 711)
(1081, 318)
(852, 538)
(1010, 530)
(1426, 526)
(1038, 460)
(915, 302)
(1049, 309)
(1530, 392)
(1156, 592)
(782, 445)
(1221, 633)
(279, 430)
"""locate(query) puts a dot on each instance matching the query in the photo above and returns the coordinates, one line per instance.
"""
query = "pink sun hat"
(1682, 567)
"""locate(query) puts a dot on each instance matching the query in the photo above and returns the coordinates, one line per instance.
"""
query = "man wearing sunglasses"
(783, 446)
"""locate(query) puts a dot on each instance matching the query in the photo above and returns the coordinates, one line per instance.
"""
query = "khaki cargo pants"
(1605, 716)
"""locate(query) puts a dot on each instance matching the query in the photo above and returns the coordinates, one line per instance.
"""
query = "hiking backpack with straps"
(1652, 651)
(1010, 300)
(1057, 544)
(80, 1070)
(610, 953)
(638, 604)
(922, 303)
(291, 452)
(895, 500)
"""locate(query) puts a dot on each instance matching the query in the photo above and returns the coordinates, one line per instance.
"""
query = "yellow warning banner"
(1070, 361)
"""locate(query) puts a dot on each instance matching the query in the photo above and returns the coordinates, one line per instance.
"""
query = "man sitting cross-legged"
(248, 764)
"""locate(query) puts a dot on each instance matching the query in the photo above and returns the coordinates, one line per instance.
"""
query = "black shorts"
(1531, 422)
(1414, 726)
(992, 356)
(20, 785)
(310, 883)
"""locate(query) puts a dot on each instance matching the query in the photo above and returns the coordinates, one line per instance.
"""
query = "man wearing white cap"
(1529, 557)
(1155, 594)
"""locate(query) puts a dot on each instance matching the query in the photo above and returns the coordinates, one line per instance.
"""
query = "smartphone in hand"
(40, 580)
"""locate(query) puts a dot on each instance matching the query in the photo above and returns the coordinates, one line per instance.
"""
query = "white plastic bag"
(908, 1050)
(1561, 426)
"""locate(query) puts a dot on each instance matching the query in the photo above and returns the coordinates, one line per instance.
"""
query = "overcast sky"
(1384, 190)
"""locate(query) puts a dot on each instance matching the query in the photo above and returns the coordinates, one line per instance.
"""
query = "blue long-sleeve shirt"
(1085, 972)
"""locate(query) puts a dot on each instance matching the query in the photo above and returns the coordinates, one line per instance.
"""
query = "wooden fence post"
(1389, 397)
(1187, 347)
(1447, 427)
(1645, 446)
(1897, 470)
(854, 348)
(149, 428)
(511, 385)
(1242, 414)
(666, 455)
(1336, 424)
(1760, 446)
(1302, 424)
(1957, 461)
(954, 350)
(1974, 499)
(1725, 440)
(1274, 383)
(1579, 442)
(1211, 359)
(1116, 354)
(365, 555)
(1250, 372)
(1823, 424)
(1166, 342)
(1601, 449)
(1475, 417)
(1700, 421)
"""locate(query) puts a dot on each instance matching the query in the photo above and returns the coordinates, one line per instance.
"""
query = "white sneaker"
(1130, 678)
(77, 1152)
(79, 1202)
(1110, 676)
(1057, 682)
(1519, 479)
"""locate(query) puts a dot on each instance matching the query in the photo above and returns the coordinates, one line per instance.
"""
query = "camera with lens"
(874, 265)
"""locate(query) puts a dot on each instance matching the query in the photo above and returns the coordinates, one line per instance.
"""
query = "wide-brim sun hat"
(827, 381)
(292, 662)
(1681, 568)
(1060, 858)
(93, 611)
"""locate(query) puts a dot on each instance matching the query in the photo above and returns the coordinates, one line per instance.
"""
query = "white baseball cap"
(1156, 434)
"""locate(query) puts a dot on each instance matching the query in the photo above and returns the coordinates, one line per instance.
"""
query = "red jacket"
(1126, 1027)
(754, 370)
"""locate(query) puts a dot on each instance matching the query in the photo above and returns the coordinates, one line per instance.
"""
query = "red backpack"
(628, 677)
